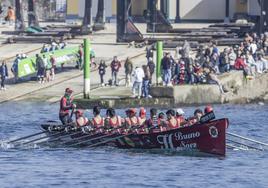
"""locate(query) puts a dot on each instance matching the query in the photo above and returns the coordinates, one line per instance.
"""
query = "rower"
(196, 118)
(142, 116)
(162, 121)
(112, 120)
(97, 120)
(172, 122)
(131, 119)
(179, 116)
(208, 109)
(66, 104)
(152, 122)
(80, 119)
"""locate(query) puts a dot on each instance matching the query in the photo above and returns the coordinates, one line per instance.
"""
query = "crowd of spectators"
(209, 61)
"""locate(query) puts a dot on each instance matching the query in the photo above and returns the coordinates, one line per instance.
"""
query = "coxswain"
(142, 116)
(97, 120)
(66, 104)
(112, 121)
(172, 122)
(180, 116)
(80, 119)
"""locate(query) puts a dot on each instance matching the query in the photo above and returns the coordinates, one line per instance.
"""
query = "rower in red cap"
(142, 116)
(132, 119)
(80, 119)
(66, 104)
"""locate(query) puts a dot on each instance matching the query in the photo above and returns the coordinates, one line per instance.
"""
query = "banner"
(27, 67)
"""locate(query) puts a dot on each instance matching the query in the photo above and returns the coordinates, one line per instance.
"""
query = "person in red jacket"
(115, 66)
(66, 104)
(240, 63)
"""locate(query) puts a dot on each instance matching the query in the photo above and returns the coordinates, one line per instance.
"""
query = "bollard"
(86, 68)
(159, 57)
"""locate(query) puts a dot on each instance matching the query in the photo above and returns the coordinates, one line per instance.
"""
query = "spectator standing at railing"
(149, 53)
(53, 66)
(15, 67)
(40, 66)
(138, 75)
(115, 67)
(47, 68)
(146, 81)
(128, 71)
(3, 74)
(151, 66)
(166, 64)
(102, 70)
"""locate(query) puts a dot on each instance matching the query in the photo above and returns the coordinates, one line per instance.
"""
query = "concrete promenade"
(104, 47)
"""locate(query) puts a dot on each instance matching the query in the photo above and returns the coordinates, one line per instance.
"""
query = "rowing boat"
(208, 137)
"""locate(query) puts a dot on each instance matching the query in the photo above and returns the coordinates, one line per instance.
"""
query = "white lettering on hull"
(167, 142)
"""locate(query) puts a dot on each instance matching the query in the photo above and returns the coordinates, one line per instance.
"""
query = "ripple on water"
(36, 166)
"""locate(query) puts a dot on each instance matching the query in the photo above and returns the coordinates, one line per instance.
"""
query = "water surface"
(108, 167)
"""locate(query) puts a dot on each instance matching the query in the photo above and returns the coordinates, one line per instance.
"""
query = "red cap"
(142, 112)
(208, 109)
(132, 110)
(79, 112)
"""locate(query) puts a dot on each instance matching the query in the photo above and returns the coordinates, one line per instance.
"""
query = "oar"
(25, 137)
(97, 138)
(47, 136)
(41, 138)
(70, 134)
(241, 144)
(234, 147)
(248, 139)
(71, 116)
(93, 139)
(116, 138)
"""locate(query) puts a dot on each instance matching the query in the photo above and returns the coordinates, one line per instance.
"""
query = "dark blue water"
(106, 167)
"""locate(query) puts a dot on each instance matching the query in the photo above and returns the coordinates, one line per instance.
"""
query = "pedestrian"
(3, 74)
(138, 75)
(15, 67)
(166, 67)
(10, 15)
(115, 66)
(146, 81)
(151, 66)
(47, 68)
(80, 57)
(149, 53)
(40, 65)
(53, 66)
(102, 70)
(128, 71)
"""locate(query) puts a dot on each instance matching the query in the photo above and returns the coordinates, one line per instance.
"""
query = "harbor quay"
(133, 93)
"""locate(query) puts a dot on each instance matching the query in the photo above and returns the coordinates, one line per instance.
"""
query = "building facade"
(179, 10)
